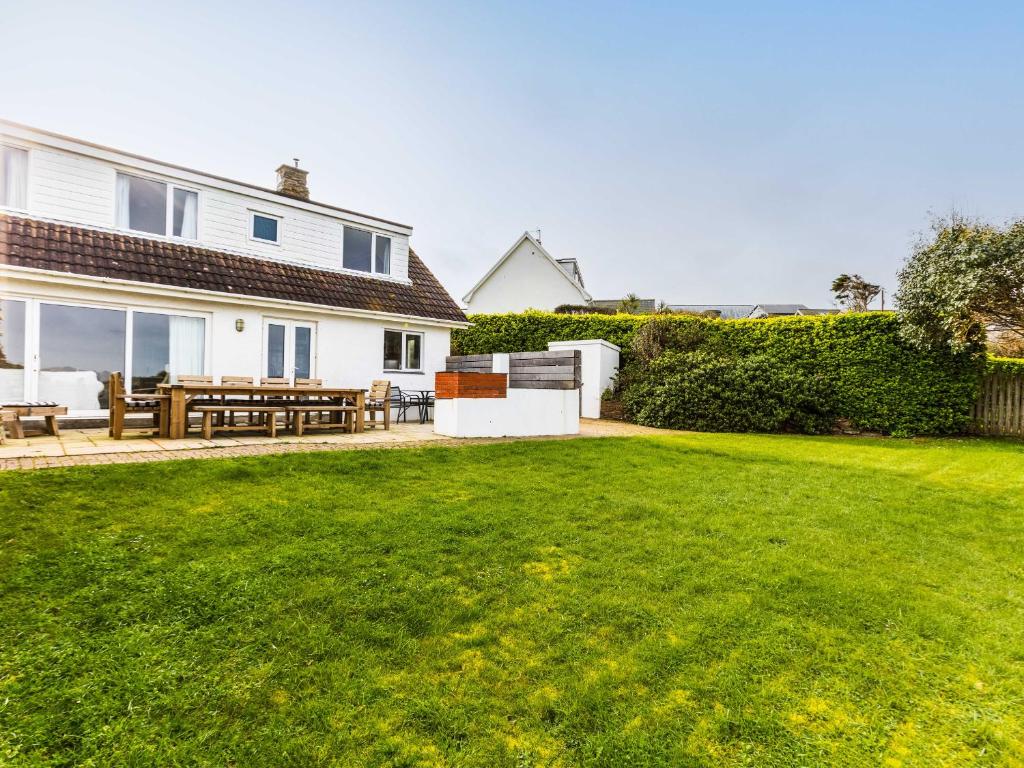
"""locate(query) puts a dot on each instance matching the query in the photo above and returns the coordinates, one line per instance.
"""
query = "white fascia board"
(169, 291)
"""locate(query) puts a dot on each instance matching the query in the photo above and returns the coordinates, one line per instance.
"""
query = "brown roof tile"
(64, 248)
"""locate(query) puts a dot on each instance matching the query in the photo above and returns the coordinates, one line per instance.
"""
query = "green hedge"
(1010, 365)
(876, 380)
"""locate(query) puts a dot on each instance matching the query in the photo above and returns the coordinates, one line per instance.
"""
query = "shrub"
(700, 391)
(1005, 365)
(875, 378)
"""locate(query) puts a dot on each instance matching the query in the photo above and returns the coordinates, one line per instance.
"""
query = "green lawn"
(687, 600)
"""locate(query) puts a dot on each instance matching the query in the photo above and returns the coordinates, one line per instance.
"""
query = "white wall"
(80, 189)
(525, 280)
(349, 350)
(599, 362)
(524, 412)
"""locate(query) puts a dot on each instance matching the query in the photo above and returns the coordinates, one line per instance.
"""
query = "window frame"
(404, 363)
(373, 252)
(28, 175)
(252, 223)
(168, 205)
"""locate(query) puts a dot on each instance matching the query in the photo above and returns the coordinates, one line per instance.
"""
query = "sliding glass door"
(79, 347)
(165, 347)
(12, 350)
(65, 353)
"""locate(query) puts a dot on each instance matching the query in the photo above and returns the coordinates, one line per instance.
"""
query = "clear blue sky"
(693, 152)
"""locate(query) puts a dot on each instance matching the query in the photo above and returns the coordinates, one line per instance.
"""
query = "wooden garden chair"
(378, 400)
(122, 404)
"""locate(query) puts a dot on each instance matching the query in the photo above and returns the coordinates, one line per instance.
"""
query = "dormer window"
(156, 207)
(366, 252)
(265, 228)
(13, 177)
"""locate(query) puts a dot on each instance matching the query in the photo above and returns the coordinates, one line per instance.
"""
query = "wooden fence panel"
(999, 409)
(557, 369)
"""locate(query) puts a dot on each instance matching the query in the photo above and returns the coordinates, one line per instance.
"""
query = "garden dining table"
(183, 394)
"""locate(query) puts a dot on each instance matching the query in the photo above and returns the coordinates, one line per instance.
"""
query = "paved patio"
(76, 447)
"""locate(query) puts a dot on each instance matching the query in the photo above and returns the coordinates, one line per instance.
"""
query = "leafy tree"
(968, 276)
(630, 305)
(854, 292)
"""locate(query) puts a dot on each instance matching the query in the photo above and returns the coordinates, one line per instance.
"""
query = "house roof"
(45, 245)
(572, 268)
(725, 311)
(646, 306)
(779, 309)
(578, 285)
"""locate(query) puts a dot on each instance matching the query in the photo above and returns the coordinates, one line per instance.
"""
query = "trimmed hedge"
(875, 379)
(1005, 365)
(709, 393)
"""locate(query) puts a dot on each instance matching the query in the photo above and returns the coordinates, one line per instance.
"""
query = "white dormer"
(49, 176)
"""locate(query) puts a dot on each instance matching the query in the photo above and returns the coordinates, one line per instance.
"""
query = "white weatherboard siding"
(527, 278)
(78, 187)
(349, 351)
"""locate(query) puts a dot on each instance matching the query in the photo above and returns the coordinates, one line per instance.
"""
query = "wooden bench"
(339, 416)
(49, 412)
(267, 416)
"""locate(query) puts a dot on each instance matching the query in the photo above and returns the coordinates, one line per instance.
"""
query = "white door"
(289, 349)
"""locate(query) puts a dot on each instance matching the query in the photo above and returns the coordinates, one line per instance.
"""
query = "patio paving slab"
(86, 447)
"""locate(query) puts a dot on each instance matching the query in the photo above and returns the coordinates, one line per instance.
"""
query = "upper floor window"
(366, 251)
(13, 177)
(264, 227)
(146, 205)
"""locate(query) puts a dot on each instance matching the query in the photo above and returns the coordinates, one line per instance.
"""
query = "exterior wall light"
(239, 325)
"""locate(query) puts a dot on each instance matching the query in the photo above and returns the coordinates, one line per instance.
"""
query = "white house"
(114, 262)
(527, 277)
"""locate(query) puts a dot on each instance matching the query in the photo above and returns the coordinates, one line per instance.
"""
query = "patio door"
(289, 348)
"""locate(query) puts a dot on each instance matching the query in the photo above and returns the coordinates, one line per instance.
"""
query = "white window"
(264, 228)
(156, 207)
(403, 351)
(289, 349)
(366, 251)
(13, 177)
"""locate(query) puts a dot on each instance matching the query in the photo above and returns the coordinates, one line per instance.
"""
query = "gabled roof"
(45, 245)
(526, 236)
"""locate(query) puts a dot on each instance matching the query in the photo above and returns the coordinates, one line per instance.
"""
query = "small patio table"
(423, 402)
(183, 394)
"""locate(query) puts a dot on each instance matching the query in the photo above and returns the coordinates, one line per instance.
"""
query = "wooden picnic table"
(183, 394)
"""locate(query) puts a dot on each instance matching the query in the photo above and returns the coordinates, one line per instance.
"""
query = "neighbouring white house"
(114, 262)
(527, 277)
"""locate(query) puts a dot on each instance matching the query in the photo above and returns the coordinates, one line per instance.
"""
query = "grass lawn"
(682, 600)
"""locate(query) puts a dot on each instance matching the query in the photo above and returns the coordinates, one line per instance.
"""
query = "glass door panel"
(79, 347)
(12, 350)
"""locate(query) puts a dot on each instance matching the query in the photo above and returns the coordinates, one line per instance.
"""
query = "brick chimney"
(291, 181)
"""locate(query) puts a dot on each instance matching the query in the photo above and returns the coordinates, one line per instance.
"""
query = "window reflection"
(79, 347)
(12, 350)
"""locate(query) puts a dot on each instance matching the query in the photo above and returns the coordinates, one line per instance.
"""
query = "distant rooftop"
(647, 306)
(725, 311)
